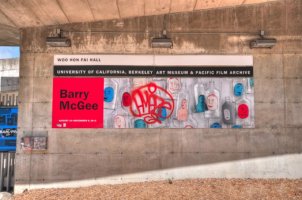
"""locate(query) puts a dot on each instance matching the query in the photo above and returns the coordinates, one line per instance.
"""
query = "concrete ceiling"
(16, 14)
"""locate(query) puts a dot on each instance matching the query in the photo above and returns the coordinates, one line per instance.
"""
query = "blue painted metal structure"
(8, 128)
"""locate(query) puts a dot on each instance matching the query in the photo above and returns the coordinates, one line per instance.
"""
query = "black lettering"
(81, 105)
(94, 106)
(73, 106)
(78, 106)
(63, 93)
(63, 59)
(64, 105)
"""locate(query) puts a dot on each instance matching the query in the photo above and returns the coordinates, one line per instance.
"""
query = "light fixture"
(162, 42)
(263, 42)
(58, 40)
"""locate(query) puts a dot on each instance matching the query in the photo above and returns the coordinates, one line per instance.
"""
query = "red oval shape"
(243, 111)
(126, 99)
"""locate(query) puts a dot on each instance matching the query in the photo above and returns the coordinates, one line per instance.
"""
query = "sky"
(9, 52)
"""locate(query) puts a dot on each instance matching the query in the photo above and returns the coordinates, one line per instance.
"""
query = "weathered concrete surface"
(259, 167)
(17, 14)
(43, 12)
(90, 156)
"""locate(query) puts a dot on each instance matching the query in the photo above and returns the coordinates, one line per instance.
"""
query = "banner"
(8, 121)
(77, 103)
(106, 91)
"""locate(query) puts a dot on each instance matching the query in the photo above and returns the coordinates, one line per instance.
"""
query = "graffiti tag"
(147, 104)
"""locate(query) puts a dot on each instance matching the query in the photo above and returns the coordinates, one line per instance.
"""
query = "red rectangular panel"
(78, 103)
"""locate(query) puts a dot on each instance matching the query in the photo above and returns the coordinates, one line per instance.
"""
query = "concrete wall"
(89, 156)
(9, 98)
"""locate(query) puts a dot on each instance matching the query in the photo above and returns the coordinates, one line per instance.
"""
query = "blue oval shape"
(108, 94)
(216, 125)
(237, 126)
(162, 114)
(139, 123)
(238, 89)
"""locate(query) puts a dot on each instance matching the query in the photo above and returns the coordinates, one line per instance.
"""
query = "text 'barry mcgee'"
(68, 100)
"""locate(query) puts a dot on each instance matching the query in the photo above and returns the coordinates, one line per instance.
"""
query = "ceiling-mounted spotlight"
(162, 42)
(263, 42)
(58, 40)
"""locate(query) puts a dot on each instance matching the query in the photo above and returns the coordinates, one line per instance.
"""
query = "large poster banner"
(123, 91)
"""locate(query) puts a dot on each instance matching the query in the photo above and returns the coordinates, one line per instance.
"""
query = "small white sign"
(151, 60)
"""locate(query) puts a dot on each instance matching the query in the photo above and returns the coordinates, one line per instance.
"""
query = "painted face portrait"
(108, 94)
(119, 122)
(182, 114)
(184, 104)
(137, 82)
(227, 114)
(174, 85)
(212, 102)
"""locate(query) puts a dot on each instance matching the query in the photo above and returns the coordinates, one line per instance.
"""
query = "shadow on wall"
(156, 154)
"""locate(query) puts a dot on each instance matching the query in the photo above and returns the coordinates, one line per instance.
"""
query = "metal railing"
(7, 174)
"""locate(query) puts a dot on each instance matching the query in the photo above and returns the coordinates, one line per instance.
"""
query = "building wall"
(9, 98)
(9, 67)
(77, 157)
(9, 81)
